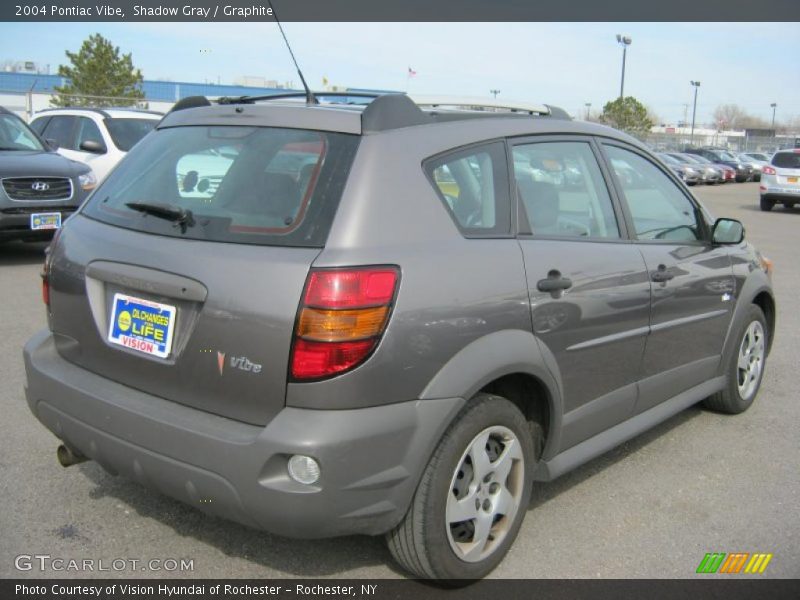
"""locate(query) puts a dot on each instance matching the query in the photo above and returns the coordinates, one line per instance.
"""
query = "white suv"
(780, 180)
(99, 137)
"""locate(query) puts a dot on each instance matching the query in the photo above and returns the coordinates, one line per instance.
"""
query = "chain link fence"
(677, 142)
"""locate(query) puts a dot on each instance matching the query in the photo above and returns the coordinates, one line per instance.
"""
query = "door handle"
(662, 274)
(554, 282)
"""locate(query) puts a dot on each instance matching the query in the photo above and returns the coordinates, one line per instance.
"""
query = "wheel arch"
(508, 363)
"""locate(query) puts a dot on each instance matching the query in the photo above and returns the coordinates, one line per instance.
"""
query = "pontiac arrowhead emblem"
(220, 361)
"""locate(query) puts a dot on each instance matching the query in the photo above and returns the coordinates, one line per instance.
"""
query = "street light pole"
(588, 106)
(624, 41)
(494, 93)
(773, 105)
(695, 85)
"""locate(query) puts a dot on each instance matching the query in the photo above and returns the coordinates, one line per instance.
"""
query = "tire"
(745, 367)
(766, 205)
(424, 543)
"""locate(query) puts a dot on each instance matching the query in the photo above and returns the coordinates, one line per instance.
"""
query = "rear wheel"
(767, 204)
(746, 366)
(473, 495)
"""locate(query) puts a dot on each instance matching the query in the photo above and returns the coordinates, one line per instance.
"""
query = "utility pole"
(695, 85)
(494, 93)
(588, 106)
(774, 106)
(624, 41)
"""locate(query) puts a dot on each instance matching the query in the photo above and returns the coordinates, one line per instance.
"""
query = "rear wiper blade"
(177, 214)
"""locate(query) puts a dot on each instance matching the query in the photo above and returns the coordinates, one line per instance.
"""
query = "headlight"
(87, 181)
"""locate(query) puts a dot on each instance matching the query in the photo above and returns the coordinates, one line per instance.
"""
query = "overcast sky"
(566, 64)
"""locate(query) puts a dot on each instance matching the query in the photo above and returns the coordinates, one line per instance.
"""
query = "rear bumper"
(779, 193)
(371, 459)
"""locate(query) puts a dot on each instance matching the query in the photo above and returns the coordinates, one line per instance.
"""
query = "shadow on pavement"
(543, 492)
(302, 558)
(22, 253)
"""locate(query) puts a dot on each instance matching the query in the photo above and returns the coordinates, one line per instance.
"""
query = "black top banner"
(397, 10)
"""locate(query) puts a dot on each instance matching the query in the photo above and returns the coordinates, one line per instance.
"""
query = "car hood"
(15, 163)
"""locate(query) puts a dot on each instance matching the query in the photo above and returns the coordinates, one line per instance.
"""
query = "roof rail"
(473, 103)
(285, 95)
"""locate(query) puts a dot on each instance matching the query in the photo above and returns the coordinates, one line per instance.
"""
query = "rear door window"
(562, 192)
(473, 185)
(254, 185)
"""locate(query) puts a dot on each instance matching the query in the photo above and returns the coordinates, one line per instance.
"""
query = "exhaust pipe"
(67, 457)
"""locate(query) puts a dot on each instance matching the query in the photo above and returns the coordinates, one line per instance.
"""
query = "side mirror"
(727, 231)
(92, 146)
(52, 144)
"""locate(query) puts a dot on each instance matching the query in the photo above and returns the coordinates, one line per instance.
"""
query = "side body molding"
(494, 355)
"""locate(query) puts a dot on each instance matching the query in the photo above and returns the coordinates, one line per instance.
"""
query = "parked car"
(99, 137)
(722, 156)
(780, 180)
(689, 174)
(722, 173)
(758, 156)
(401, 342)
(756, 164)
(40, 189)
(709, 174)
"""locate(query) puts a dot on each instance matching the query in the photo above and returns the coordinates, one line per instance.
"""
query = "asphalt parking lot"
(700, 482)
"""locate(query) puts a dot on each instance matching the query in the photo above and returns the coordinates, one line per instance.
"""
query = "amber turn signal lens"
(341, 325)
(767, 265)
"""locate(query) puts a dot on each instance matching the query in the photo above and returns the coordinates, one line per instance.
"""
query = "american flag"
(411, 72)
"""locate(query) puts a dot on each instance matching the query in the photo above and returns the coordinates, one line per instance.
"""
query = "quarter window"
(60, 129)
(660, 210)
(473, 184)
(562, 192)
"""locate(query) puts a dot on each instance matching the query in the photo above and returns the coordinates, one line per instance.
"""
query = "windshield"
(250, 185)
(126, 132)
(726, 156)
(670, 160)
(15, 135)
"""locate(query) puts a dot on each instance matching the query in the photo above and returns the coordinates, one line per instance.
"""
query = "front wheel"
(746, 367)
(473, 495)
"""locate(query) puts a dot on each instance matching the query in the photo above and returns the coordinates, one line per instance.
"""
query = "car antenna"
(310, 97)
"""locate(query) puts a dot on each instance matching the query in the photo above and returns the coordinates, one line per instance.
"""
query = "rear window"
(127, 132)
(250, 185)
(786, 160)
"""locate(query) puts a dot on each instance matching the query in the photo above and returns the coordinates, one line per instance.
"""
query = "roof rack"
(395, 110)
(480, 104)
(286, 95)
(103, 111)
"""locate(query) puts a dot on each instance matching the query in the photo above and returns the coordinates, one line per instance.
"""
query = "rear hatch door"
(199, 309)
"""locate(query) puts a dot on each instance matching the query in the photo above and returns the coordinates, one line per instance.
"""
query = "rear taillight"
(48, 259)
(46, 288)
(342, 316)
(768, 170)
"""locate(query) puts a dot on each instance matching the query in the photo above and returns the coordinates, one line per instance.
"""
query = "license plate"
(46, 221)
(142, 325)
(791, 179)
